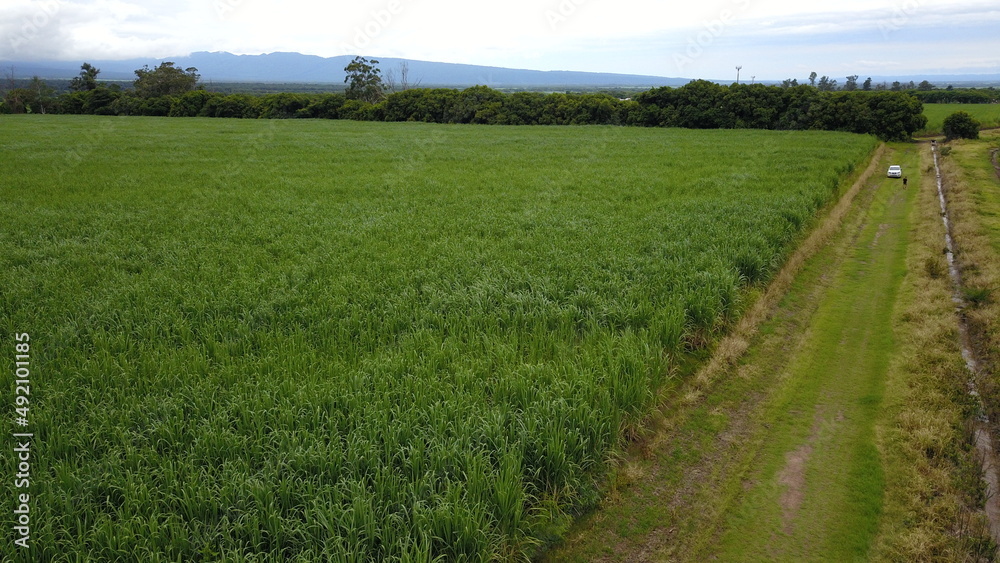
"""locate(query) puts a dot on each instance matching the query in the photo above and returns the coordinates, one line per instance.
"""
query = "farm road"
(829, 482)
(776, 458)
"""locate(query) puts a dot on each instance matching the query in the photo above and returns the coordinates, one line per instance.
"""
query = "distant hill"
(309, 69)
(296, 67)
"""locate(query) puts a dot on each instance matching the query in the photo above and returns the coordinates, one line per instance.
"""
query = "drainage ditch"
(981, 431)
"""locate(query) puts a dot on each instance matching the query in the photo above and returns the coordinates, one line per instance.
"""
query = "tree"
(867, 86)
(87, 79)
(43, 94)
(961, 125)
(897, 86)
(925, 85)
(812, 78)
(852, 83)
(827, 85)
(365, 80)
(36, 97)
(789, 82)
(165, 80)
(402, 79)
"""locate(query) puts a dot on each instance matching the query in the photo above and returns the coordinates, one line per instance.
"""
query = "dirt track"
(810, 433)
(688, 479)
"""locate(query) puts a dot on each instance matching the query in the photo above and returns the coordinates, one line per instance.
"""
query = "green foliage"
(87, 80)
(324, 106)
(35, 97)
(961, 125)
(17, 99)
(233, 105)
(191, 104)
(364, 80)
(315, 340)
(357, 110)
(99, 101)
(826, 84)
(284, 106)
(165, 80)
(959, 96)
(126, 104)
(700, 104)
(977, 296)
(706, 105)
(155, 107)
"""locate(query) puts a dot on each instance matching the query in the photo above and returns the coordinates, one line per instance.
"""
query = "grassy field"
(987, 114)
(326, 340)
(837, 427)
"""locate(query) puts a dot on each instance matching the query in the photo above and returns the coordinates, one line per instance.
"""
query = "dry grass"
(974, 209)
(933, 493)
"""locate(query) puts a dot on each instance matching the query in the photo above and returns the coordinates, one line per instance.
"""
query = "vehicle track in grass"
(790, 444)
(680, 484)
(817, 480)
(828, 425)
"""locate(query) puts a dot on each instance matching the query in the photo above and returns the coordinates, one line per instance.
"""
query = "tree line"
(171, 91)
(959, 96)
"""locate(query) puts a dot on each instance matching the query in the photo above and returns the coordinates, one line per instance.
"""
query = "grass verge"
(933, 494)
(973, 193)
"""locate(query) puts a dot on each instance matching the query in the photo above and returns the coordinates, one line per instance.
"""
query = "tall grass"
(356, 341)
(988, 115)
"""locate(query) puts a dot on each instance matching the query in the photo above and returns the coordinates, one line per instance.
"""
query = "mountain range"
(296, 67)
(310, 69)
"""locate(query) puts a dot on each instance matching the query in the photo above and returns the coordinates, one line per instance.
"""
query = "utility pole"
(738, 69)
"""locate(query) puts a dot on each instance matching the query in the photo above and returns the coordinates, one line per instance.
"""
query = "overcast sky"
(770, 39)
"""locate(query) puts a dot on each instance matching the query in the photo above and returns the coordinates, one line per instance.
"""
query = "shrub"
(961, 125)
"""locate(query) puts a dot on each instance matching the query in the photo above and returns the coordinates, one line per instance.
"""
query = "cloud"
(34, 29)
(635, 36)
(908, 36)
